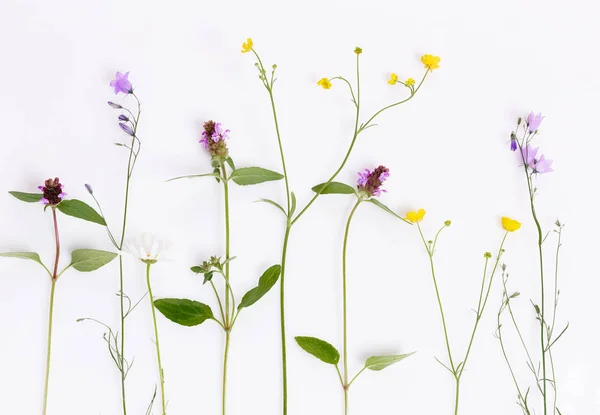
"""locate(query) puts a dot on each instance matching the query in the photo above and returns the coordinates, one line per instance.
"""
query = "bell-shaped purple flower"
(513, 144)
(537, 165)
(121, 83)
(126, 128)
(534, 121)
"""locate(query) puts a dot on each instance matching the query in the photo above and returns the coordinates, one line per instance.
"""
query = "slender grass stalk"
(229, 310)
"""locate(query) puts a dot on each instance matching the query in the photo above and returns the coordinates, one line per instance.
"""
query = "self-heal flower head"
(53, 192)
(147, 248)
(415, 217)
(431, 62)
(370, 182)
(393, 79)
(121, 84)
(534, 121)
(213, 139)
(247, 45)
(510, 225)
(409, 82)
(537, 165)
(324, 82)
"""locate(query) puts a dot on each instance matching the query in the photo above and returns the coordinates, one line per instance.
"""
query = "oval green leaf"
(185, 312)
(254, 175)
(333, 188)
(265, 283)
(86, 260)
(377, 363)
(23, 255)
(81, 210)
(319, 349)
(27, 197)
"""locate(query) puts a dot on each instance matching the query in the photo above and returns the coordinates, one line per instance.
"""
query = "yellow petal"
(409, 82)
(509, 224)
(415, 217)
(247, 46)
(324, 82)
(431, 62)
(393, 79)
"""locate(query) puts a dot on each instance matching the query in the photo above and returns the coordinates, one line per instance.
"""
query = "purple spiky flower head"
(214, 139)
(53, 192)
(370, 182)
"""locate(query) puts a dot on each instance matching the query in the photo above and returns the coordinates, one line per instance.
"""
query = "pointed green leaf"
(23, 255)
(195, 175)
(254, 175)
(269, 201)
(265, 283)
(319, 349)
(229, 161)
(86, 260)
(381, 362)
(81, 210)
(293, 208)
(333, 188)
(185, 312)
(27, 197)
(387, 209)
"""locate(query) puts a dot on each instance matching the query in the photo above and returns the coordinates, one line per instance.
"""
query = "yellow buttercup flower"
(324, 82)
(509, 224)
(409, 82)
(393, 79)
(431, 62)
(415, 217)
(247, 45)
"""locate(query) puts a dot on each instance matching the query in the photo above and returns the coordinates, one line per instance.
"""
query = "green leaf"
(381, 362)
(293, 208)
(265, 283)
(254, 175)
(23, 255)
(185, 312)
(195, 175)
(229, 161)
(269, 201)
(319, 349)
(208, 276)
(388, 210)
(197, 269)
(86, 260)
(333, 188)
(81, 210)
(27, 197)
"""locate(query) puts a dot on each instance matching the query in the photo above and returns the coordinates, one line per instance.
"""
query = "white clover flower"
(147, 248)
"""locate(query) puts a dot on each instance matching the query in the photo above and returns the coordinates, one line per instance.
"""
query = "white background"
(447, 151)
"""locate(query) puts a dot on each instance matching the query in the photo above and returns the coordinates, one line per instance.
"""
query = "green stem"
(51, 313)
(228, 315)
(345, 303)
(225, 355)
(439, 300)
(161, 373)
(282, 313)
(49, 345)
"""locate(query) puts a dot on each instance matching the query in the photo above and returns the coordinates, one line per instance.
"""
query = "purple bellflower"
(126, 128)
(121, 83)
(370, 182)
(53, 192)
(537, 165)
(534, 121)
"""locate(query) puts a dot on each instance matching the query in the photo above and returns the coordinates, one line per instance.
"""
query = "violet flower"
(513, 144)
(123, 117)
(114, 104)
(121, 84)
(537, 165)
(370, 182)
(534, 121)
(53, 192)
(213, 139)
(126, 128)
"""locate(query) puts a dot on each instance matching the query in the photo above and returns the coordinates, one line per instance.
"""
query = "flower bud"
(126, 128)
(89, 189)
(114, 105)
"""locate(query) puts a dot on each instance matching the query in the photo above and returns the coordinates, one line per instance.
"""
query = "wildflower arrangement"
(218, 269)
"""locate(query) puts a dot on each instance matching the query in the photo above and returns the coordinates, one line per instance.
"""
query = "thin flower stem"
(286, 238)
(218, 299)
(123, 313)
(225, 356)
(439, 300)
(161, 373)
(228, 316)
(51, 313)
(345, 302)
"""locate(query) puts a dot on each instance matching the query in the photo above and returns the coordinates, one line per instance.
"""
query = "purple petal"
(114, 104)
(126, 128)
(89, 189)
